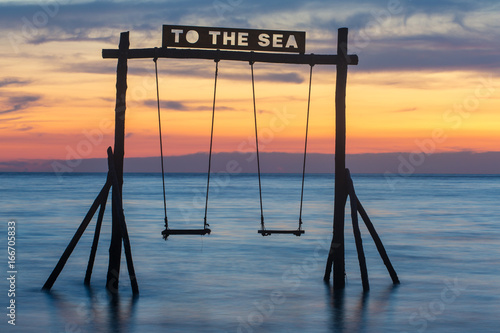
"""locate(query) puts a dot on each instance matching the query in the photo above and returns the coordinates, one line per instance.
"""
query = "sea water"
(441, 232)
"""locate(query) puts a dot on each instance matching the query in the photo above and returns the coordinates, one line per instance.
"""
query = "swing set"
(206, 230)
(288, 47)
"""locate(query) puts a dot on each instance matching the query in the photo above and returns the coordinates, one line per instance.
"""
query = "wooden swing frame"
(343, 182)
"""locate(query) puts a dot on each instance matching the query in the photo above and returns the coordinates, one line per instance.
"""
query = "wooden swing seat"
(168, 232)
(269, 232)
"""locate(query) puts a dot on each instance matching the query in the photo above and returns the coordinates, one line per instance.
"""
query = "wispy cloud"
(10, 119)
(420, 34)
(18, 103)
(79, 36)
(183, 69)
(169, 105)
(24, 128)
(184, 106)
(286, 77)
(12, 81)
(407, 110)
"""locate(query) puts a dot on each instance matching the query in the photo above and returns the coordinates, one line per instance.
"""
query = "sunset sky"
(427, 79)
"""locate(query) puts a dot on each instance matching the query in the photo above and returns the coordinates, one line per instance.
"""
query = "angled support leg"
(95, 243)
(357, 232)
(101, 197)
(378, 243)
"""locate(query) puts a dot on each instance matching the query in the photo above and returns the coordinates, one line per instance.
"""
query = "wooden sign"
(239, 39)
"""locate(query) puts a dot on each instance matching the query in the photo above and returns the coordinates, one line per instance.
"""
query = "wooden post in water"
(336, 254)
(118, 209)
(115, 247)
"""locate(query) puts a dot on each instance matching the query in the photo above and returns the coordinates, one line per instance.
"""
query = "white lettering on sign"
(214, 35)
(292, 42)
(243, 38)
(226, 38)
(229, 38)
(177, 32)
(264, 40)
(277, 40)
(192, 36)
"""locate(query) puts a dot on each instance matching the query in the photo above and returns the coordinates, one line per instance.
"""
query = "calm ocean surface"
(442, 234)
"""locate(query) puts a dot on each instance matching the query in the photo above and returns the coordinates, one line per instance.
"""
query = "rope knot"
(156, 55)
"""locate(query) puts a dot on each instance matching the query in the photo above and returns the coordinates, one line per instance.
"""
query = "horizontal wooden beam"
(277, 58)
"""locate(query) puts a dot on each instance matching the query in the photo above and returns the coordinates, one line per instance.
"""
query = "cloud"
(425, 34)
(10, 81)
(183, 68)
(172, 105)
(18, 103)
(287, 77)
(80, 36)
(88, 20)
(217, 108)
(227, 70)
(24, 128)
(407, 110)
(97, 67)
(183, 106)
(10, 119)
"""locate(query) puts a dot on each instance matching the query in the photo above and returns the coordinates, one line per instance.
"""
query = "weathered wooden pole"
(336, 254)
(115, 247)
(378, 243)
(118, 210)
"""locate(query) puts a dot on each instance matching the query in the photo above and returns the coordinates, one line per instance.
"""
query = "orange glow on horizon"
(73, 109)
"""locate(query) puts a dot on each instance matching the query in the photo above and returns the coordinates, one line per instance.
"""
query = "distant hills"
(393, 163)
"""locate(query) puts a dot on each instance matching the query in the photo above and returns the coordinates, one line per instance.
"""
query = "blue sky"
(418, 34)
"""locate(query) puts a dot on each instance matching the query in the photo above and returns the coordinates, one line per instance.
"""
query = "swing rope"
(257, 148)
(167, 232)
(205, 224)
(263, 230)
(161, 141)
(305, 147)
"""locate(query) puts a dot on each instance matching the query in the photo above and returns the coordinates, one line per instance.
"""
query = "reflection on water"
(354, 314)
(97, 312)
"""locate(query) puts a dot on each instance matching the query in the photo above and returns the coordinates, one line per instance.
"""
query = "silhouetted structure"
(344, 187)
(343, 182)
(114, 181)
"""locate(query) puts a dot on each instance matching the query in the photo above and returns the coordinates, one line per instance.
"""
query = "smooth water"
(442, 234)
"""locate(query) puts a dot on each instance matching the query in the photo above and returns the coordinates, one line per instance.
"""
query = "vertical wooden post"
(118, 208)
(115, 247)
(336, 254)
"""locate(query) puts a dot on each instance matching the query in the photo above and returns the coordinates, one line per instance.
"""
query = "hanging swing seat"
(269, 232)
(168, 232)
